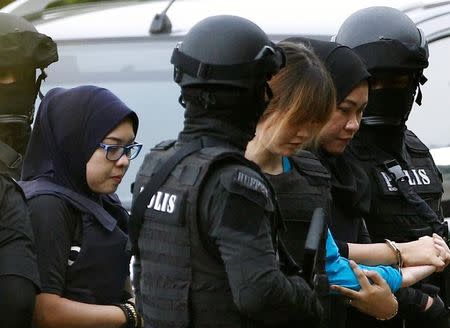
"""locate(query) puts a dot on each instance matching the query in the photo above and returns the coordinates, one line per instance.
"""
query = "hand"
(444, 252)
(374, 299)
(421, 252)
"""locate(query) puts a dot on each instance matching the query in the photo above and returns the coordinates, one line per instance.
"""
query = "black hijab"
(350, 185)
(344, 65)
(69, 126)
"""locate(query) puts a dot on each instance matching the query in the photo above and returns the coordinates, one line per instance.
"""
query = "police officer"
(207, 251)
(22, 50)
(406, 185)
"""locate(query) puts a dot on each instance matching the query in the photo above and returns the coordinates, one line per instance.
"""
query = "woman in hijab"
(81, 146)
(300, 182)
(350, 189)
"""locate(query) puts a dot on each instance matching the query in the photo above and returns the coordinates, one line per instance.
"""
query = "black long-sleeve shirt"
(235, 221)
(19, 279)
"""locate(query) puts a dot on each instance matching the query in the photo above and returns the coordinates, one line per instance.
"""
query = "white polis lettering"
(411, 182)
(163, 202)
(420, 177)
(419, 181)
(423, 174)
(388, 180)
(416, 177)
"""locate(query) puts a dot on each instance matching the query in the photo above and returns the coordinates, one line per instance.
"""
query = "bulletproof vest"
(10, 161)
(391, 215)
(99, 272)
(299, 192)
(183, 283)
(350, 190)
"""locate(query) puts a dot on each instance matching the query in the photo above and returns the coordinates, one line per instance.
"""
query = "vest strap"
(140, 204)
(9, 156)
(411, 196)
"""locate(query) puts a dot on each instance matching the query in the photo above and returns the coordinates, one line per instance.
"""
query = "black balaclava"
(69, 126)
(384, 119)
(392, 105)
(226, 113)
(16, 110)
(22, 51)
(17, 99)
(347, 71)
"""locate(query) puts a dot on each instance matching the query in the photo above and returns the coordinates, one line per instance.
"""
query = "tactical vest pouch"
(415, 145)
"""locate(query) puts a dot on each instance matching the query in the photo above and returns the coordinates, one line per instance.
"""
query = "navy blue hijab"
(69, 126)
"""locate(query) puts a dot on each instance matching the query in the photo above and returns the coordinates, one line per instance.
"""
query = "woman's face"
(282, 139)
(102, 175)
(344, 121)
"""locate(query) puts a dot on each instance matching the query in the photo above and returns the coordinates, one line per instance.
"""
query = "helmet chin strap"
(422, 81)
(39, 80)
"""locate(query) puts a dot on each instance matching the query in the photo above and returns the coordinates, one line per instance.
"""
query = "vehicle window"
(430, 121)
(140, 73)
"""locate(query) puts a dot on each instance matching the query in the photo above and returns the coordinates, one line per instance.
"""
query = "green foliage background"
(4, 2)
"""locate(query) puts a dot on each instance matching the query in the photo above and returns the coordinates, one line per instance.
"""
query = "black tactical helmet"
(386, 38)
(21, 44)
(22, 50)
(226, 50)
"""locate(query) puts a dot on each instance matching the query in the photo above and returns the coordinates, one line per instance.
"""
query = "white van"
(109, 44)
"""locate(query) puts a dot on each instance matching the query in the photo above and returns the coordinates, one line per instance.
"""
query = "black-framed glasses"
(115, 152)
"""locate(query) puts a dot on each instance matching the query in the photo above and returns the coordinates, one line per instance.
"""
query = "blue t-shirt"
(339, 271)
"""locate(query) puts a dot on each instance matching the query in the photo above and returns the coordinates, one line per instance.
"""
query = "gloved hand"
(437, 315)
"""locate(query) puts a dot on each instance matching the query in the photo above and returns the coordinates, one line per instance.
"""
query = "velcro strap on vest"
(9, 156)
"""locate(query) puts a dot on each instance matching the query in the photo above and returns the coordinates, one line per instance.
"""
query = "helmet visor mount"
(268, 61)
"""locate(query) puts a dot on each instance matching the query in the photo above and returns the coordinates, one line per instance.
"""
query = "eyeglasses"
(115, 152)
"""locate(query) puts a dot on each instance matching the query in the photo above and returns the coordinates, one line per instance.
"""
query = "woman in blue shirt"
(289, 123)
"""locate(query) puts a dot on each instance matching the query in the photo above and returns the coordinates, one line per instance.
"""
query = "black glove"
(437, 315)
(411, 301)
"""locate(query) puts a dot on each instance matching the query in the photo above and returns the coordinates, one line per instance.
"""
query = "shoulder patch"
(250, 187)
(250, 182)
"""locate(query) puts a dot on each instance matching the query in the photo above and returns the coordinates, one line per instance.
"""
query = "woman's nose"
(353, 123)
(123, 160)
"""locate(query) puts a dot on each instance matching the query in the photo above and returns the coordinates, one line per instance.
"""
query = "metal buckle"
(395, 170)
